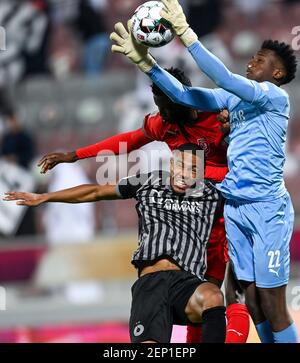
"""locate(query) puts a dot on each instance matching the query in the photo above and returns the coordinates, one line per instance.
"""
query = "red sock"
(238, 323)
(194, 334)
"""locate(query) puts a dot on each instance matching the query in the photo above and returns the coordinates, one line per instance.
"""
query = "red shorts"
(217, 250)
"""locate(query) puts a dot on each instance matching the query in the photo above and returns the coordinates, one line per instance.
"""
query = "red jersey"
(205, 132)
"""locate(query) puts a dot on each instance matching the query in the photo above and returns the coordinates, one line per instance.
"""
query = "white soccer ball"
(149, 28)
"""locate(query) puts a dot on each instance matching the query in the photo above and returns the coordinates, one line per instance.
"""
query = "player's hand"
(173, 13)
(49, 161)
(224, 119)
(29, 199)
(127, 45)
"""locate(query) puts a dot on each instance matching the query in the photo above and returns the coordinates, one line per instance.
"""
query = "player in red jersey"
(177, 125)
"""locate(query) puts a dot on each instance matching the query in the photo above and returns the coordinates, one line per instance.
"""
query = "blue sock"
(288, 335)
(265, 332)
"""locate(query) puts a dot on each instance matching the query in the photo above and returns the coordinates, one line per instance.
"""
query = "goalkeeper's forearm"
(195, 97)
(220, 74)
(83, 194)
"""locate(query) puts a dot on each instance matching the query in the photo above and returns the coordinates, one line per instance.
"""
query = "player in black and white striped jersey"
(176, 212)
(171, 223)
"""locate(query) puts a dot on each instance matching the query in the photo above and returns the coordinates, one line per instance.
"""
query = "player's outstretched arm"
(221, 75)
(207, 62)
(80, 194)
(49, 161)
(124, 43)
(195, 97)
(133, 140)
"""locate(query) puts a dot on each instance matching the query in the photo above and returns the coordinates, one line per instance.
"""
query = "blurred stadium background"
(65, 272)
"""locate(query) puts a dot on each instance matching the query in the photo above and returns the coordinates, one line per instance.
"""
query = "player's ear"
(278, 74)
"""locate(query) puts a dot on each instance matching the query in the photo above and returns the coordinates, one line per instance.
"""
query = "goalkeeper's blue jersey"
(256, 152)
(259, 113)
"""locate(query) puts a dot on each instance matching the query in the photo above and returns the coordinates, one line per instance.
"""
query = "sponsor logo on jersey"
(176, 205)
(203, 144)
(237, 119)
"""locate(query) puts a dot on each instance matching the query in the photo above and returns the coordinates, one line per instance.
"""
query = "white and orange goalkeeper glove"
(127, 45)
(173, 13)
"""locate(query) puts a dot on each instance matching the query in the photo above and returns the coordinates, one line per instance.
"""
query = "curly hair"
(286, 55)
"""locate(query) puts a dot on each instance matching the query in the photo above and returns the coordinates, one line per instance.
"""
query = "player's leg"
(236, 312)
(234, 291)
(194, 334)
(216, 265)
(194, 301)
(206, 305)
(274, 305)
(238, 321)
(272, 263)
(271, 226)
(253, 304)
(216, 256)
(241, 255)
(240, 245)
(151, 315)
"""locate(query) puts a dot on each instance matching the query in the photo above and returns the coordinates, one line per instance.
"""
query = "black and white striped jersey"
(171, 225)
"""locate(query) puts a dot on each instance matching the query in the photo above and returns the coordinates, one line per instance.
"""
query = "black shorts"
(158, 301)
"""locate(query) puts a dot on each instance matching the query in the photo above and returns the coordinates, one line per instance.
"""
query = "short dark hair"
(178, 74)
(286, 54)
(193, 148)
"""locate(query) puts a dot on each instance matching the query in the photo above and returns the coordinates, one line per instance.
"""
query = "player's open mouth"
(179, 183)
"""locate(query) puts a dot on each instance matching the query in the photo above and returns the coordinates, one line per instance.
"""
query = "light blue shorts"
(258, 235)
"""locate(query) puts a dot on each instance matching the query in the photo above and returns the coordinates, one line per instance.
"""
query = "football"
(149, 28)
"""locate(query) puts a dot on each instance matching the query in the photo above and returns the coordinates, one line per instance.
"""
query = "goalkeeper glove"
(173, 13)
(127, 45)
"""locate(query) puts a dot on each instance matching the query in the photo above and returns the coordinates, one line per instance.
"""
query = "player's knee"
(195, 305)
(202, 299)
(212, 299)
